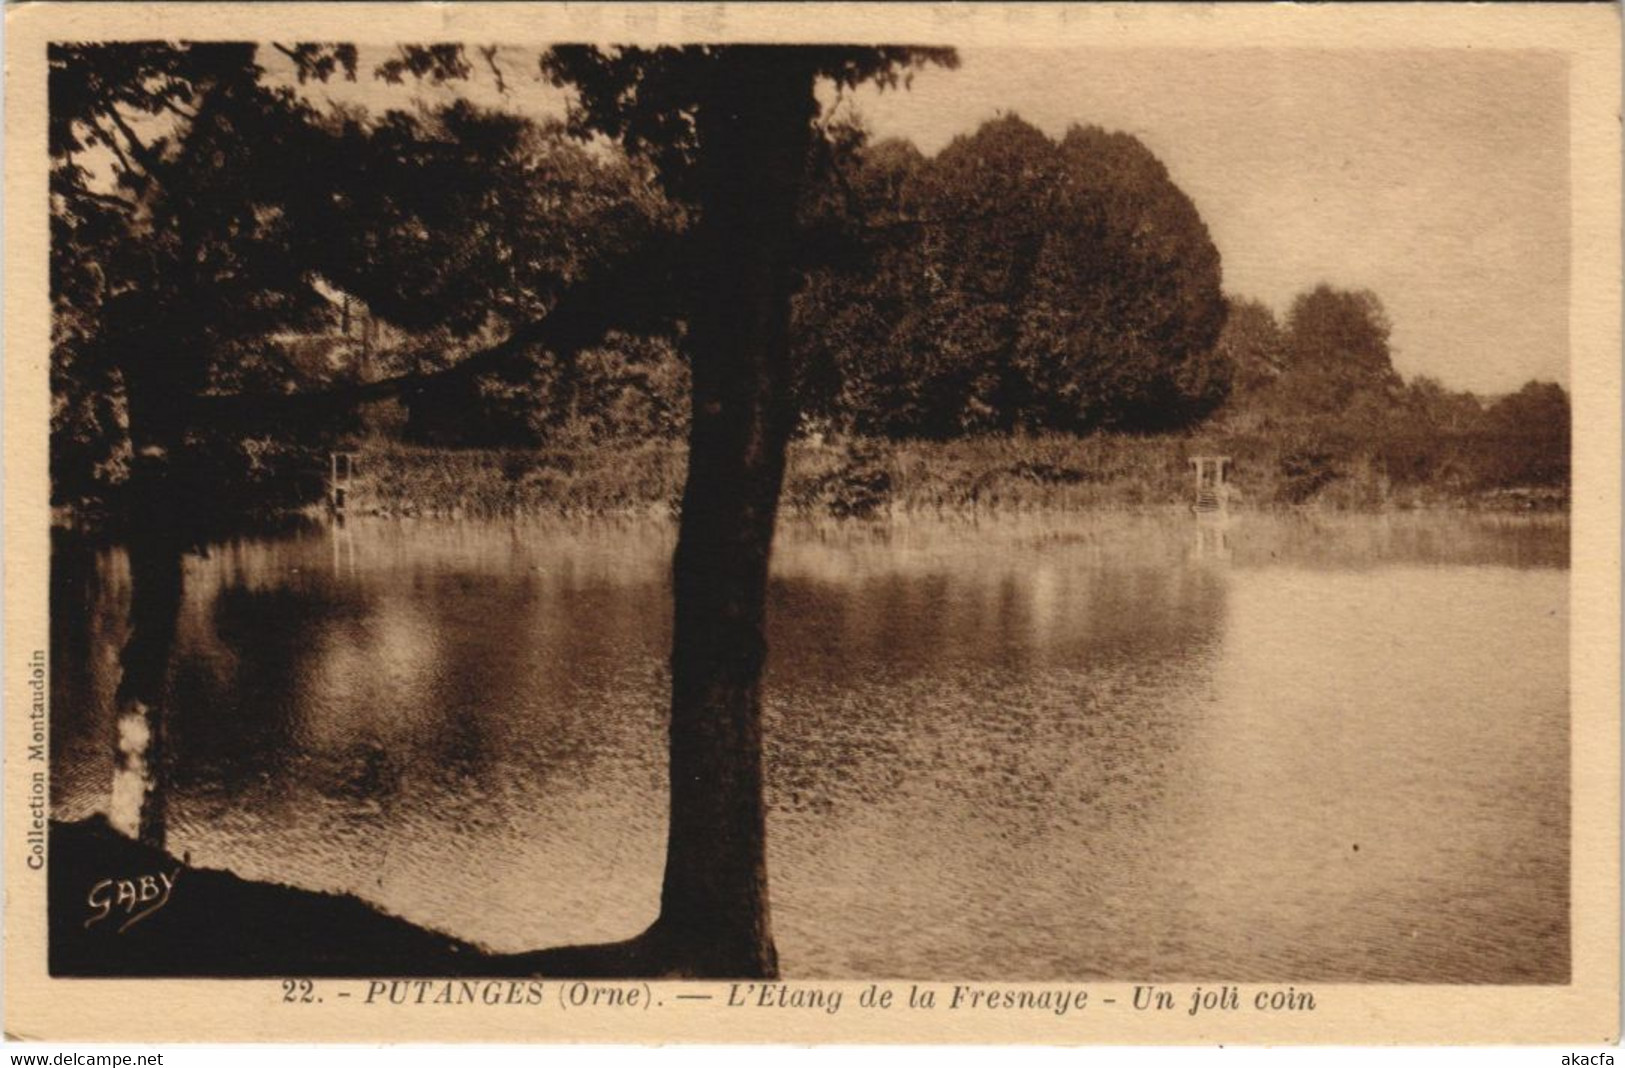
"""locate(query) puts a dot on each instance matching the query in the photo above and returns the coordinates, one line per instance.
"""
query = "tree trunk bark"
(754, 133)
(155, 540)
(139, 757)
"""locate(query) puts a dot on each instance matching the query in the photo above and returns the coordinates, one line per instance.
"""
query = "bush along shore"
(856, 477)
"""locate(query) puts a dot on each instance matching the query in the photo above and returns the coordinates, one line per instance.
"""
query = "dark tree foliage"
(1531, 430)
(648, 99)
(320, 62)
(1129, 303)
(1254, 346)
(869, 282)
(1324, 395)
(201, 254)
(461, 264)
(1440, 409)
(170, 272)
(1337, 349)
(1013, 282)
(631, 388)
(468, 219)
(1330, 358)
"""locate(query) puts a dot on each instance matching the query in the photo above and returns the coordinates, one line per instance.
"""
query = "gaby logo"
(136, 898)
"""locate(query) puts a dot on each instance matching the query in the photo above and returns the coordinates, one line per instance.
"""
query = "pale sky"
(1438, 179)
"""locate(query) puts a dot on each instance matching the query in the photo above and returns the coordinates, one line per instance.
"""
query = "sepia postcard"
(812, 523)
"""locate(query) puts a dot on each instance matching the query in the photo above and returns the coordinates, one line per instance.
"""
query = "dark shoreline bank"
(219, 925)
(177, 921)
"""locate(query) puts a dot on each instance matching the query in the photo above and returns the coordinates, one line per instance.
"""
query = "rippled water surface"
(1139, 748)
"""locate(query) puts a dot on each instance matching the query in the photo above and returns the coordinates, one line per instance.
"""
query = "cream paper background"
(1585, 1011)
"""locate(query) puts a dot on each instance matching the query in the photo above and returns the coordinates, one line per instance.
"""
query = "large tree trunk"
(156, 515)
(754, 134)
(754, 131)
(139, 757)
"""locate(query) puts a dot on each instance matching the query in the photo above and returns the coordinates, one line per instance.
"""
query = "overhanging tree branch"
(147, 157)
(489, 52)
(174, 108)
(251, 409)
(111, 142)
(74, 192)
(637, 294)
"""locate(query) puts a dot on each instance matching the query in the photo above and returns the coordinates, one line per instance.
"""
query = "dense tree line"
(1014, 282)
(1010, 282)
(1322, 382)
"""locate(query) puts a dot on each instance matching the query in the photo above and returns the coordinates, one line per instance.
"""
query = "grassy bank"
(625, 478)
(867, 477)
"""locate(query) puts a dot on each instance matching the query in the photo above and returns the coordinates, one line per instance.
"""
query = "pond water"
(1305, 748)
